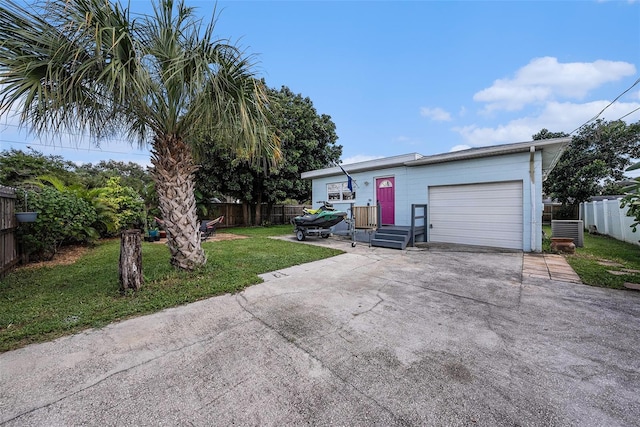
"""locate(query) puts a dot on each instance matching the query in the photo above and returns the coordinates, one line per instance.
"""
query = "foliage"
(597, 156)
(125, 203)
(40, 304)
(308, 142)
(63, 217)
(117, 207)
(598, 248)
(632, 199)
(16, 167)
(89, 66)
(131, 174)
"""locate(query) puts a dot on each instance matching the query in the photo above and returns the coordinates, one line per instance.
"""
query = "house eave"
(383, 163)
(551, 149)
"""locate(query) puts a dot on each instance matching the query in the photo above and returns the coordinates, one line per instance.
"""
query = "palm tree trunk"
(174, 177)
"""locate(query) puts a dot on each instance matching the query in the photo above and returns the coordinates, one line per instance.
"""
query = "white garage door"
(477, 214)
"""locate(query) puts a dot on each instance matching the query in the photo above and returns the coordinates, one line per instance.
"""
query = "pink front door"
(385, 195)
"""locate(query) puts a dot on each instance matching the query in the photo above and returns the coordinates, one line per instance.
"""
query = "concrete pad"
(610, 263)
(366, 338)
(549, 266)
(617, 272)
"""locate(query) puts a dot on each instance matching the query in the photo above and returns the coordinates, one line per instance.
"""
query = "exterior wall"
(512, 167)
(365, 188)
(610, 219)
(412, 185)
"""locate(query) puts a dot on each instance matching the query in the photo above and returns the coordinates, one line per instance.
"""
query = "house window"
(339, 191)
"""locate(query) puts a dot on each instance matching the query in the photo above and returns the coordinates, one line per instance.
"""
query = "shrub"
(63, 218)
(125, 203)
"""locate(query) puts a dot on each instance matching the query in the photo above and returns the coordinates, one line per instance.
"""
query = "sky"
(430, 77)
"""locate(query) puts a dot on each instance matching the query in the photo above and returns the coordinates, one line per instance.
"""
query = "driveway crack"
(297, 345)
(112, 374)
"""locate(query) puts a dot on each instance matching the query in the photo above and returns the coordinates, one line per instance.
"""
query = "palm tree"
(162, 79)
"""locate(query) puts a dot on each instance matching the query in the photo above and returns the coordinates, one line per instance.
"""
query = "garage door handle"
(430, 225)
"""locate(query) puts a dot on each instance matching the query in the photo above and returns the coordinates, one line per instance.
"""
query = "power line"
(75, 135)
(608, 105)
(629, 113)
(73, 148)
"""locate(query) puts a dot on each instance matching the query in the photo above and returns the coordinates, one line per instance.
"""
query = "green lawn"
(587, 261)
(40, 304)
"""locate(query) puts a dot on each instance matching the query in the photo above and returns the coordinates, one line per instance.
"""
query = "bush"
(126, 205)
(63, 218)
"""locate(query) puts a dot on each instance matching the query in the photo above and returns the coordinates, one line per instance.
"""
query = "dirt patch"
(218, 237)
(608, 263)
(227, 236)
(67, 255)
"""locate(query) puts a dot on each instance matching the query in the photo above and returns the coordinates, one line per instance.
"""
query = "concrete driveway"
(371, 337)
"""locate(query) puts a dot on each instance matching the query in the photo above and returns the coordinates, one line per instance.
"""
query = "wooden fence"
(234, 215)
(283, 214)
(8, 252)
(365, 216)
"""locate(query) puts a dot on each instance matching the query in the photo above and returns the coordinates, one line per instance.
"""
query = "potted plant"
(26, 216)
(154, 234)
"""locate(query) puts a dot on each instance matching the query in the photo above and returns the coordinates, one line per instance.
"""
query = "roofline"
(494, 150)
(556, 147)
(385, 162)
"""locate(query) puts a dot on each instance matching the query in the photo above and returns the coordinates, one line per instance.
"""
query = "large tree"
(16, 167)
(308, 143)
(162, 79)
(598, 155)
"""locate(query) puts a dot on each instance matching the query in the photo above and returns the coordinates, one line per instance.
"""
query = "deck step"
(393, 244)
(387, 236)
(391, 237)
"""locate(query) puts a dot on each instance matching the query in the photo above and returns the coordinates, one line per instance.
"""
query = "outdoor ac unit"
(573, 228)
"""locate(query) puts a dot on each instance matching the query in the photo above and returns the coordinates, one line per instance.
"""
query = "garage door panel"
(477, 234)
(481, 214)
(488, 214)
(461, 219)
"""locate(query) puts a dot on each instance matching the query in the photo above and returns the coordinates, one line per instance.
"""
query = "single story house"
(487, 196)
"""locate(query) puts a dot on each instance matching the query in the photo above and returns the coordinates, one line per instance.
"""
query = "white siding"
(488, 214)
(412, 184)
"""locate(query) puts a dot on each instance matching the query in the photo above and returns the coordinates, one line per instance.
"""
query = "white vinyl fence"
(607, 216)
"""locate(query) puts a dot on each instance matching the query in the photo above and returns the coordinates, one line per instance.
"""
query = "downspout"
(532, 192)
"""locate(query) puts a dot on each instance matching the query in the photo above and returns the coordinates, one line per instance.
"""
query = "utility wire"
(75, 135)
(73, 148)
(608, 105)
(629, 113)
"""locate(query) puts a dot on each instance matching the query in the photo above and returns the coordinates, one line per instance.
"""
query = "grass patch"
(40, 304)
(587, 261)
(273, 230)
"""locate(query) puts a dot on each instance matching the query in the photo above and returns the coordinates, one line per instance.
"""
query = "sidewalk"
(548, 266)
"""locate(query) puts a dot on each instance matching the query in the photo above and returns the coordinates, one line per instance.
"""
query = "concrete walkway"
(372, 337)
(548, 266)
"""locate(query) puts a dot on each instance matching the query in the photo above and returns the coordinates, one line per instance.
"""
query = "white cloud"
(545, 79)
(556, 117)
(459, 148)
(359, 158)
(437, 114)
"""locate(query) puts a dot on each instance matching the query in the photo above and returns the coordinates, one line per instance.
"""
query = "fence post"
(8, 250)
(622, 213)
(605, 213)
